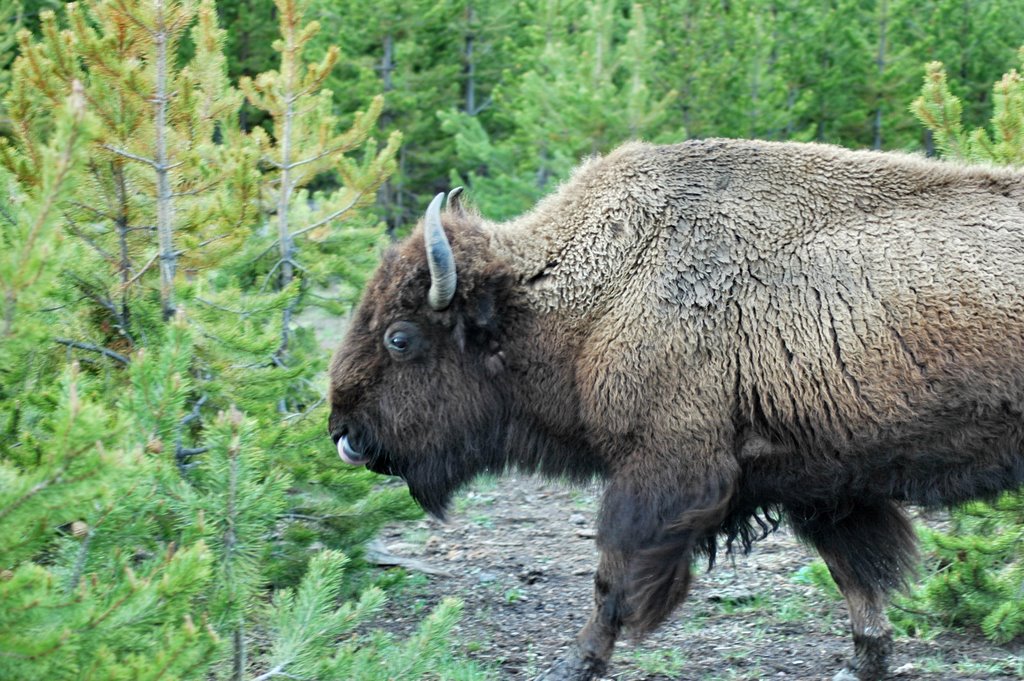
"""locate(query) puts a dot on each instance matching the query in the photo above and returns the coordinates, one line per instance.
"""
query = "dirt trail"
(521, 556)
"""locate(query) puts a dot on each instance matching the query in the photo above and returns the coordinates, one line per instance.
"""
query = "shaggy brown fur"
(729, 332)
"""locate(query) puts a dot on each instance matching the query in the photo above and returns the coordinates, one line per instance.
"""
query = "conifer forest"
(191, 191)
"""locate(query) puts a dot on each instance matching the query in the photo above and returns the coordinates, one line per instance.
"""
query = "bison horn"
(439, 258)
(454, 203)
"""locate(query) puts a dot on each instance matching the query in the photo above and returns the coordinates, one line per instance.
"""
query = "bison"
(730, 333)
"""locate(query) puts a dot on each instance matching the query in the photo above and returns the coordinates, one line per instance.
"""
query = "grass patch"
(816, 574)
(664, 662)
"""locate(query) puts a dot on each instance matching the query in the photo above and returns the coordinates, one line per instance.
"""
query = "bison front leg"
(869, 549)
(647, 537)
(588, 656)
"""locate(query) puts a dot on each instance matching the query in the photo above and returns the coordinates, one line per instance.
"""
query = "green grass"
(665, 662)
(816, 574)
(941, 665)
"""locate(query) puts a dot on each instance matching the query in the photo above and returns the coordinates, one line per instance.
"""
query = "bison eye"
(402, 339)
(398, 342)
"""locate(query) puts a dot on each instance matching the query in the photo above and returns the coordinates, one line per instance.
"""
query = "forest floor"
(520, 554)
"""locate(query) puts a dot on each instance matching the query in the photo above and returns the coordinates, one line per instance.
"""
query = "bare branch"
(143, 270)
(94, 210)
(333, 216)
(277, 672)
(307, 412)
(128, 154)
(311, 159)
(73, 228)
(94, 348)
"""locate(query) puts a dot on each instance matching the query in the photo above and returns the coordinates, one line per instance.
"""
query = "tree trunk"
(164, 198)
(470, 68)
(880, 62)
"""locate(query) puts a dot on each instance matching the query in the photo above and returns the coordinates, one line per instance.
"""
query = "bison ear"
(482, 310)
(485, 317)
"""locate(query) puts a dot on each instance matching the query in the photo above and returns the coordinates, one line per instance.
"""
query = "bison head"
(416, 387)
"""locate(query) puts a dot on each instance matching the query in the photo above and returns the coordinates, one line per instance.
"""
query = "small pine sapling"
(306, 145)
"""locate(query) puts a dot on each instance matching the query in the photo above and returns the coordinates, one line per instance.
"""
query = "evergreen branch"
(483, 107)
(132, 590)
(244, 314)
(139, 23)
(93, 209)
(170, 660)
(279, 263)
(37, 656)
(911, 611)
(312, 159)
(209, 241)
(63, 167)
(73, 228)
(160, 167)
(265, 251)
(7, 216)
(57, 477)
(270, 274)
(94, 348)
(88, 290)
(181, 453)
(307, 412)
(333, 216)
(241, 313)
(36, 489)
(197, 188)
(311, 518)
(83, 552)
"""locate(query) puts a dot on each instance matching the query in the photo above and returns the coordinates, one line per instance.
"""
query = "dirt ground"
(520, 553)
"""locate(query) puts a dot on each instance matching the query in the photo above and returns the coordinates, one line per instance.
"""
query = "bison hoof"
(574, 666)
(845, 675)
(870, 661)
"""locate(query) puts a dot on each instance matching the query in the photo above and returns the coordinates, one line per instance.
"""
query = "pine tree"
(941, 112)
(561, 110)
(156, 196)
(142, 534)
(723, 57)
(251, 28)
(29, 217)
(10, 21)
(63, 491)
(426, 57)
(973, 40)
(306, 144)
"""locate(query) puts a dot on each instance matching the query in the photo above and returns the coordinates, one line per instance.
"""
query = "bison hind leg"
(870, 549)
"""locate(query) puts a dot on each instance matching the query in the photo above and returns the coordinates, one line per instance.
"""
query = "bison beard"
(731, 333)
